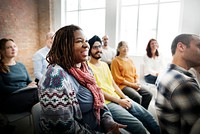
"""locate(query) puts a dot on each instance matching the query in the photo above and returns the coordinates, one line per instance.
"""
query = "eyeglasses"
(96, 47)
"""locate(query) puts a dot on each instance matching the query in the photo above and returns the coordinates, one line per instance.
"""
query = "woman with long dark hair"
(153, 62)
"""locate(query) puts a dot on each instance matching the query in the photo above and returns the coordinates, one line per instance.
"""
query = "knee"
(136, 128)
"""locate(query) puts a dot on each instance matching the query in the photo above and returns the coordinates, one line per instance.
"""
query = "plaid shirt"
(178, 100)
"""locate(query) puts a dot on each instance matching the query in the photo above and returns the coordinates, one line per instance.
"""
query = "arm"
(17, 78)
(186, 101)
(116, 73)
(59, 103)
(37, 65)
(118, 90)
(6, 89)
(107, 122)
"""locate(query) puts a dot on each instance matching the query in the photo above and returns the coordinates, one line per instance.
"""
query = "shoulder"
(115, 59)
(103, 63)
(20, 64)
(41, 51)
(174, 77)
(145, 56)
(55, 77)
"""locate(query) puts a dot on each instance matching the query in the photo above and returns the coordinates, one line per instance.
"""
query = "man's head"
(49, 39)
(105, 40)
(95, 47)
(185, 49)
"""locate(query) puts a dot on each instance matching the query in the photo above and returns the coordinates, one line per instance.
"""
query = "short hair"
(183, 38)
(62, 50)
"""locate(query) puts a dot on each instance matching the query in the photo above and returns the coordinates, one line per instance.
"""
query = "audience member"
(14, 79)
(125, 76)
(178, 98)
(123, 109)
(153, 62)
(196, 72)
(108, 53)
(39, 58)
(70, 98)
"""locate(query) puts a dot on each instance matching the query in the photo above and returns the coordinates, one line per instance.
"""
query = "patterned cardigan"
(61, 112)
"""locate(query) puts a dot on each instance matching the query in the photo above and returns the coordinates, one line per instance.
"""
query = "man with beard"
(123, 109)
(108, 53)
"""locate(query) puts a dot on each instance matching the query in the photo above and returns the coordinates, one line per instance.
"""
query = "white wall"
(190, 17)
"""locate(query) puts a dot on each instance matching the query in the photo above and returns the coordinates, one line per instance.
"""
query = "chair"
(36, 110)
(195, 128)
(15, 117)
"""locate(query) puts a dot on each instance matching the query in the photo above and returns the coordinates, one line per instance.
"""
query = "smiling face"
(96, 50)
(123, 49)
(81, 47)
(154, 45)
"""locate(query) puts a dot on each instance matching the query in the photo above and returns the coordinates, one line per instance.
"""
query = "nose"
(86, 45)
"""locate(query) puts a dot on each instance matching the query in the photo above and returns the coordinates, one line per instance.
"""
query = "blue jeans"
(150, 78)
(136, 118)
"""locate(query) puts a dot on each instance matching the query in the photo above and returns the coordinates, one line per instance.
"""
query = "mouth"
(98, 53)
(84, 53)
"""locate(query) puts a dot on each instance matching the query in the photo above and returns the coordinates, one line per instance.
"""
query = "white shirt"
(153, 65)
(39, 62)
(108, 54)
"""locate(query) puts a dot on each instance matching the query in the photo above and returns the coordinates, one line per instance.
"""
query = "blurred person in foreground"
(178, 98)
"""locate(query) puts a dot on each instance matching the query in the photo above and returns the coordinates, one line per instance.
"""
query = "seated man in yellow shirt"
(123, 109)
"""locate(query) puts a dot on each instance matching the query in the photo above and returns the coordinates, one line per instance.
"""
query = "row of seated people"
(61, 90)
(69, 92)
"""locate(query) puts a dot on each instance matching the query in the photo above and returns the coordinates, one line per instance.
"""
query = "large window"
(139, 21)
(88, 14)
(142, 20)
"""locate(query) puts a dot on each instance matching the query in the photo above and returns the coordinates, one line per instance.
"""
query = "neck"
(78, 65)
(181, 63)
(9, 61)
(105, 46)
(94, 61)
(123, 56)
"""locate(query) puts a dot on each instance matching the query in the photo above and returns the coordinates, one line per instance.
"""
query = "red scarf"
(87, 80)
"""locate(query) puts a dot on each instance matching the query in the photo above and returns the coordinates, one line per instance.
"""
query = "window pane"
(148, 1)
(143, 37)
(147, 26)
(93, 22)
(72, 5)
(129, 2)
(168, 0)
(72, 18)
(168, 26)
(91, 4)
(129, 27)
(148, 17)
